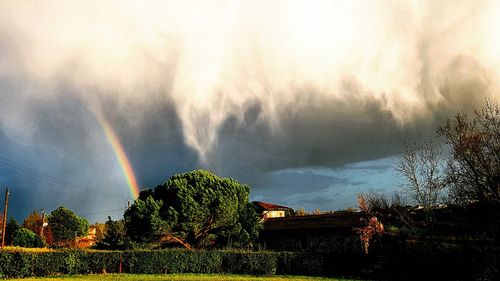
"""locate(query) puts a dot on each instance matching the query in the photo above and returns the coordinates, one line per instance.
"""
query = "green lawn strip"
(176, 277)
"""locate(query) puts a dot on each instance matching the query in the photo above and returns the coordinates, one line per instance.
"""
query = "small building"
(268, 210)
(323, 233)
(89, 240)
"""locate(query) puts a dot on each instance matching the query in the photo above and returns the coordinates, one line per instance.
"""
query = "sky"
(308, 102)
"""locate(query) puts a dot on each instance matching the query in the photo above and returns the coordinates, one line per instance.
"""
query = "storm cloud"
(245, 89)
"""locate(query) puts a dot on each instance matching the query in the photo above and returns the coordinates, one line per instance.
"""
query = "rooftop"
(326, 221)
(265, 206)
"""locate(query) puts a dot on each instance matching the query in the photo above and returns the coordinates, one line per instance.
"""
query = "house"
(268, 210)
(89, 240)
(334, 233)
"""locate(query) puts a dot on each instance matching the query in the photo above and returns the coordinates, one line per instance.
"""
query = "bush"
(26, 238)
(404, 264)
(19, 263)
(257, 263)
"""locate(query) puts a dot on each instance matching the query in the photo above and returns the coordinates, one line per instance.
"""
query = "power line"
(30, 170)
(34, 174)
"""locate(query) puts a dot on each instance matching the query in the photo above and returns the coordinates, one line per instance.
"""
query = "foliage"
(65, 225)
(26, 238)
(33, 221)
(373, 226)
(244, 232)
(366, 233)
(27, 250)
(100, 230)
(10, 229)
(400, 262)
(143, 222)
(473, 171)
(301, 212)
(114, 236)
(199, 208)
(24, 264)
(183, 277)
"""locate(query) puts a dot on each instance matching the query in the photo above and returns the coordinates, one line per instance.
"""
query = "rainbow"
(121, 156)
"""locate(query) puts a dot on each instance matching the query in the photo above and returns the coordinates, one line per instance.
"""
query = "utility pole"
(43, 220)
(5, 215)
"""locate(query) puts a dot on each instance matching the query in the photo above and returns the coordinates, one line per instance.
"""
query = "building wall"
(312, 241)
(275, 214)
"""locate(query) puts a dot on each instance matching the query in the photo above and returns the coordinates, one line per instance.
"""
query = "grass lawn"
(177, 277)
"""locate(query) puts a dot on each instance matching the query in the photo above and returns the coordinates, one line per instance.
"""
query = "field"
(177, 277)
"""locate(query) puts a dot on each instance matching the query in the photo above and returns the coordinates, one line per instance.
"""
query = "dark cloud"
(63, 140)
(258, 99)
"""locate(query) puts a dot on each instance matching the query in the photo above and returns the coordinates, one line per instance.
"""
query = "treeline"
(60, 228)
(192, 210)
(446, 216)
(456, 176)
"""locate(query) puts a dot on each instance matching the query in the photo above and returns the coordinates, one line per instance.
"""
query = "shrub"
(16, 263)
(260, 263)
(404, 264)
(26, 238)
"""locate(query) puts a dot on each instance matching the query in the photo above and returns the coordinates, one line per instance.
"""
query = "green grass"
(176, 277)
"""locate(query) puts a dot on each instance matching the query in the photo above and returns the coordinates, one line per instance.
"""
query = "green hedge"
(27, 263)
(22, 263)
(402, 264)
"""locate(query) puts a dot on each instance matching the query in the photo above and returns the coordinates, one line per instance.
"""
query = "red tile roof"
(269, 206)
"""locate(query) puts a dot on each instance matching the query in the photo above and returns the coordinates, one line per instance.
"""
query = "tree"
(301, 212)
(100, 230)
(422, 167)
(26, 238)
(143, 222)
(372, 227)
(33, 222)
(65, 225)
(114, 237)
(246, 230)
(10, 229)
(201, 209)
(473, 171)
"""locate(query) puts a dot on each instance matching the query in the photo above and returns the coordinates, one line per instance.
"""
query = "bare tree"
(383, 206)
(422, 167)
(376, 201)
(397, 201)
(473, 171)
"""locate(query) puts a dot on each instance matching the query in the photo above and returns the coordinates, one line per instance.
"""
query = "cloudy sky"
(305, 101)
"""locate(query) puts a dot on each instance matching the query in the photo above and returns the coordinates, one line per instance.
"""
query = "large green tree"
(203, 209)
(114, 237)
(10, 229)
(143, 222)
(65, 225)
